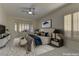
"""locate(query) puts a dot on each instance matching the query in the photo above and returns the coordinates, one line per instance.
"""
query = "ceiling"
(41, 9)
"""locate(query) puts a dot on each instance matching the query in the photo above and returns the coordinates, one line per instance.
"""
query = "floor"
(11, 50)
(43, 50)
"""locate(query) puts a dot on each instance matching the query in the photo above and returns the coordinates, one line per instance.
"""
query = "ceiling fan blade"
(26, 10)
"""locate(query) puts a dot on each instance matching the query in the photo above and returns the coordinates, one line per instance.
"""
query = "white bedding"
(17, 42)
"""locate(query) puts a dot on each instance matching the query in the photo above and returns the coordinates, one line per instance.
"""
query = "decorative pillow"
(16, 41)
(46, 33)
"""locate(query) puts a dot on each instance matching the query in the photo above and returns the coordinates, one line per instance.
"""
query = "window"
(68, 25)
(76, 24)
(31, 28)
(15, 27)
(27, 26)
(71, 25)
(20, 28)
(23, 27)
(76, 21)
(67, 22)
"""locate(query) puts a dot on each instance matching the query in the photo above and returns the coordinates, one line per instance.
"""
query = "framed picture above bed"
(47, 24)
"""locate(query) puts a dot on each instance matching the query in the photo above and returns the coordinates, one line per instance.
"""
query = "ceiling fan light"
(30, 12)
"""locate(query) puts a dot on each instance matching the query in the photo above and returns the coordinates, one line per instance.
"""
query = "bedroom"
(33, 17)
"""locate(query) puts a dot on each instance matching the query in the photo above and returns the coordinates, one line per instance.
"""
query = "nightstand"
(57, 38)
(56, 42)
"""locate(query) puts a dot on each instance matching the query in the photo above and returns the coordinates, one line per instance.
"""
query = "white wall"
(36, 23)
(2, 16)
(58, 22)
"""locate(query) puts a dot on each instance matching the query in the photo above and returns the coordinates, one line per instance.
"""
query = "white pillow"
(53, 35)
(23, 41)
(16, 41)
(58, 37)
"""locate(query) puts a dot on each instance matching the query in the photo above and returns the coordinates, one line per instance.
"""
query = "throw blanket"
(37, 40)
(29, 42)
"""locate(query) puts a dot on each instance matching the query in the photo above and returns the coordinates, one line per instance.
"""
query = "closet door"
(68, 25)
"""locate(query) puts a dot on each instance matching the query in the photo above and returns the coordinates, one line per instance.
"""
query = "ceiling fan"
(29, 11)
